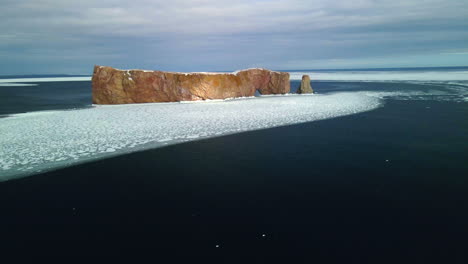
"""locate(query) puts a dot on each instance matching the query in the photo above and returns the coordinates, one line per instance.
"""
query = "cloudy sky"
(64, 36)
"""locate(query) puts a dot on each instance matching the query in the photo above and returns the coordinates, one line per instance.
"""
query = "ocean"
(370, 169)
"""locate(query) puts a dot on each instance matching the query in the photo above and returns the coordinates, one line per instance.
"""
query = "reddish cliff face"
(113, 86)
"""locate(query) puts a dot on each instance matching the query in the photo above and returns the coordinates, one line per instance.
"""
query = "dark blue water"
(44, 96)
(385, 186)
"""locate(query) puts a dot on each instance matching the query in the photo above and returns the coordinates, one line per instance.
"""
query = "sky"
(70, 37)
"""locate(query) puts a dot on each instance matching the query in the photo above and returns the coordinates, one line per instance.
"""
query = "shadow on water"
(383, 186)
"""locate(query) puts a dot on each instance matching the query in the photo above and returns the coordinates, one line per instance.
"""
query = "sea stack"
(305, 85)
(114, 86)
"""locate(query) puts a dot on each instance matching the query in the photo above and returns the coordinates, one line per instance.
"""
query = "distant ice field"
(17, 84)
(383, 75)
(358, 75)
(49, 79)
(39, 141)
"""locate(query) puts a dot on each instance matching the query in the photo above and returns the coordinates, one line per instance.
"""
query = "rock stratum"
(114, 86)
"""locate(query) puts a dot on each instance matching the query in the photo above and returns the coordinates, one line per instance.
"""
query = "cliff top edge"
(186, 73)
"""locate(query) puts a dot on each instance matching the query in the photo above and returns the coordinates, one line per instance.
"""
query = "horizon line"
(283, 70)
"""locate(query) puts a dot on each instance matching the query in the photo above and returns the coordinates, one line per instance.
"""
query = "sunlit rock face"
(114, 86)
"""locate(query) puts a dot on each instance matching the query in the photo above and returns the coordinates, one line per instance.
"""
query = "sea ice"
(48, 79)
(47, 140)
(17, 84)
(420, 76)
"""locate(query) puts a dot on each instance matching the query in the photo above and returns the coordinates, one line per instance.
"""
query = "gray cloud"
(51, 35)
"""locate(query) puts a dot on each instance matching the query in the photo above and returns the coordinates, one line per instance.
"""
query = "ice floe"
(48, 79)
(17, 84)
(40, 141)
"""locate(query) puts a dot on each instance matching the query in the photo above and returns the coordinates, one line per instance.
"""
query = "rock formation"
(305, 85)
(113, 86)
